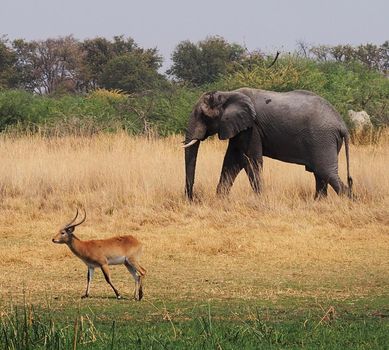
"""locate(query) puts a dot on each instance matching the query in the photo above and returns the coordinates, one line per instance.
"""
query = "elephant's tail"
(349, 178)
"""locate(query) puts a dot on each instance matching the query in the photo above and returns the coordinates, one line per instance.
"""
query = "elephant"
(296, 127)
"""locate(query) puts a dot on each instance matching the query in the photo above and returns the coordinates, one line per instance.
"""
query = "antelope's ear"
(70, 229)
(238, 115)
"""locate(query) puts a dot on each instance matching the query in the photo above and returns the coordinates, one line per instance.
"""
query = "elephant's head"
(218, 112)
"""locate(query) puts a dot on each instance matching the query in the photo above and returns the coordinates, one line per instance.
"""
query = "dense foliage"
(66, 65)
(64, 85)
(205, 61)
(345, 85)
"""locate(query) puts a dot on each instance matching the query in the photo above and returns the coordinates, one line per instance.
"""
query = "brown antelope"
(103, 252)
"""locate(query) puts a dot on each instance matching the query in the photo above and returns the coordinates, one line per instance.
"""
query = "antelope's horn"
(67, 225)
(79, 223)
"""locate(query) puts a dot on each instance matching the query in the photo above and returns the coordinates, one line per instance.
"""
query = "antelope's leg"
(138, 293)
(105, 270)
(91, 270)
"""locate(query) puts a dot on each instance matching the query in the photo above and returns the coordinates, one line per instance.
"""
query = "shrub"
(165, 111)
(346, 86)
(20, 107)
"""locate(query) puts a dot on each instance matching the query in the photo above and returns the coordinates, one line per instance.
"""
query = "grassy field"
(280, 270)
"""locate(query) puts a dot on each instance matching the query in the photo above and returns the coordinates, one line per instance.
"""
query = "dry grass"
(282, 243)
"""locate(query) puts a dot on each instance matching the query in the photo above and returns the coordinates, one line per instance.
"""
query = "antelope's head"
(65, 234)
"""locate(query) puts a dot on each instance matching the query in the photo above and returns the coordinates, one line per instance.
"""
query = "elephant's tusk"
(190, 143)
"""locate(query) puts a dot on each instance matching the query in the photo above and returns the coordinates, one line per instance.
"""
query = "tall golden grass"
(280, 243)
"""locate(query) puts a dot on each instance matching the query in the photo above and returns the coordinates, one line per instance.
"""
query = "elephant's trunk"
(190, 167)
(196, 132)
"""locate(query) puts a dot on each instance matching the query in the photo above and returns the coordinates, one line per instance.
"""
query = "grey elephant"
(296, 127)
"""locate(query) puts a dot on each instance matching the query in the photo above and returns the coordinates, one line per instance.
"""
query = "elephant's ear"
(238, 115)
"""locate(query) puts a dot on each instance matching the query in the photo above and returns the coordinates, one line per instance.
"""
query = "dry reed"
(279, 244)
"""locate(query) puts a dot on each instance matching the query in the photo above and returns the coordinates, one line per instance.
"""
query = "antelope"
(103, 252)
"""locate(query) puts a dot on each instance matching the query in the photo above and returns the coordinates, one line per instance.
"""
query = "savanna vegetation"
(63, 85)
(276, 271)
(280, 270)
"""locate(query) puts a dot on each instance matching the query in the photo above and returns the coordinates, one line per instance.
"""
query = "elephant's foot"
(320, 195)
(223, 190)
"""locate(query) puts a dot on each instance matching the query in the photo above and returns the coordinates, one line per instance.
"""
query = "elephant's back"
(292, 123)
(288, 109)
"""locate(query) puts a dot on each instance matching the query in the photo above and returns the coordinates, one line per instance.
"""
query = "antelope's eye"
(63, 232)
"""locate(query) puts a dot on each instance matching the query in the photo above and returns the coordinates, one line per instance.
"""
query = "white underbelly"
(117, 260)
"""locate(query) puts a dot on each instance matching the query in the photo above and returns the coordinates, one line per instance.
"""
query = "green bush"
(63, 115)
(356, 87)
(172, 109)
(20, 107)
(287, 74)
(166, 111)
(346, 86)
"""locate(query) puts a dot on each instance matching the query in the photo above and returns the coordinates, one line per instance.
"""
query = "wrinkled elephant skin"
(295, 127)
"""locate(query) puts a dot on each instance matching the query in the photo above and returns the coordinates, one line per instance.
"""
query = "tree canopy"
(131, 72)
(205, 61)
(68, 65)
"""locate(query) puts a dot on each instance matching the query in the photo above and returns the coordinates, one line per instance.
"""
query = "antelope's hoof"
(84, 296)
(119, 297)
(138, 297)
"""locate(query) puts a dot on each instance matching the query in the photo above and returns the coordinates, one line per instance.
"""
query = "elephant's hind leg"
(337, 184)
(321, 187)
(324, 164)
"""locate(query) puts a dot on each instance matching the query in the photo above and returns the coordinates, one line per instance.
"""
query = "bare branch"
(275, 59)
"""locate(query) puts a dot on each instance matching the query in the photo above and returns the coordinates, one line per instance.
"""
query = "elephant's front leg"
(232, 165)
(253, 168)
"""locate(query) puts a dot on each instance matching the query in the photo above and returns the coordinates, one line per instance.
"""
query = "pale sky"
(267, 25)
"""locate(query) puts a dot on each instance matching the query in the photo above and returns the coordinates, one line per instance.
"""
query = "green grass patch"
(112, 324)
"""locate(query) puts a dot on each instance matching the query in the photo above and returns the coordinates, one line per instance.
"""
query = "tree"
(370, 55)
(49, 65)
(7, 64)
(385, 56)
(302, 49)
(122, 45)
(131, 72)
(96, 54)
(187, 63)
(342, 53)
(321, 52)
(101, 66)
(205, 61)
